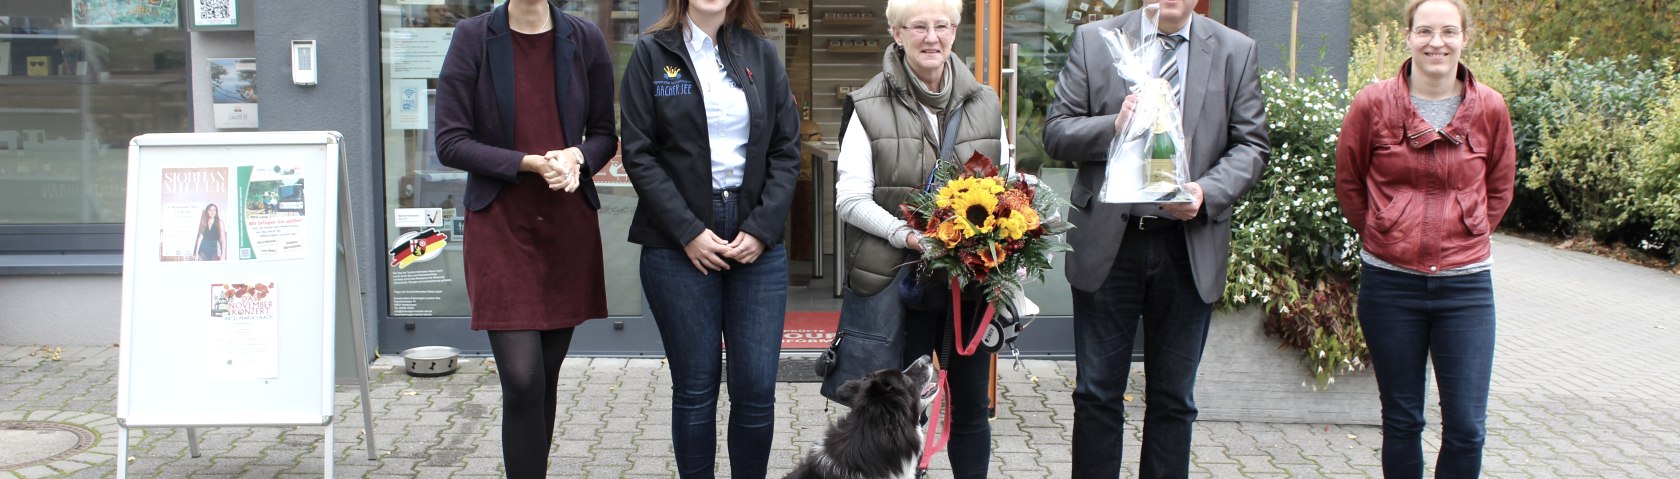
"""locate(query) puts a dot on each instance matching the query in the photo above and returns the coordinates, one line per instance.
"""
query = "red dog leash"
(935, 443)
(956, 321)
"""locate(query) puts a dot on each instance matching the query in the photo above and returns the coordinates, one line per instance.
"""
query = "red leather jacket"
(1420, 198)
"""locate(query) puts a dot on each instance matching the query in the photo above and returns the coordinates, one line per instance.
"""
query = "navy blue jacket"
(475, 103)
(667, 151)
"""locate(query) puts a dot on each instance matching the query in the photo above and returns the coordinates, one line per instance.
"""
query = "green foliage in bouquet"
(982, 229)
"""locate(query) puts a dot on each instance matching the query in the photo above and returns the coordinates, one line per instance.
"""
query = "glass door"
(428, 300)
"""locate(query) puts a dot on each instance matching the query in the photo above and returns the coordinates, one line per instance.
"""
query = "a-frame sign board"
(239, 285)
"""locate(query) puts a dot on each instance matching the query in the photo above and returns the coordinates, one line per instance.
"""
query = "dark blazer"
(475, 103)
(1224, 123)
(667, 150)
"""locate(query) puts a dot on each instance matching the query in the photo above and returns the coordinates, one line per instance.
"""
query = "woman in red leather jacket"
(1425, 166)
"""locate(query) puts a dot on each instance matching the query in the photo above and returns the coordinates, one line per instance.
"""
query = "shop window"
(421, 194)
(78, 85)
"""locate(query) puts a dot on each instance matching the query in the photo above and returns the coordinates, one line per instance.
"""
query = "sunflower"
(972, 200)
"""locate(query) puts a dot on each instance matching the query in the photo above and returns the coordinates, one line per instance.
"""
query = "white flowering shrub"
(1292, 252)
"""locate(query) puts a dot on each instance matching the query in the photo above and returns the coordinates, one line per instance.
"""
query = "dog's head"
(912, 390)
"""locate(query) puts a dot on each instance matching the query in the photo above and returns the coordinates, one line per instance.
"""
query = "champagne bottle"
(1162, 177)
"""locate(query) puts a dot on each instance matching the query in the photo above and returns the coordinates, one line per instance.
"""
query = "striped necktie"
(1169, 62)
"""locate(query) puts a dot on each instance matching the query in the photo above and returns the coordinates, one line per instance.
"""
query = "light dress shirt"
(727, 113)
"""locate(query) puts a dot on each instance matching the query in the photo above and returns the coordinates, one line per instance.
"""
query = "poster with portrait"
(233, 92)
(197, 209)
(242, 332)
(272, 200)
(124, 13)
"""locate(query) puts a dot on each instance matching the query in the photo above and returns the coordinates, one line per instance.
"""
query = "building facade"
(78, 79)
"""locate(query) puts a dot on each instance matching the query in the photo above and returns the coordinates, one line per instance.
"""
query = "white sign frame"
(159, 378)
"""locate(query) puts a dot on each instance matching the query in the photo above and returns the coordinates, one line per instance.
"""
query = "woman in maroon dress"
(525, 108)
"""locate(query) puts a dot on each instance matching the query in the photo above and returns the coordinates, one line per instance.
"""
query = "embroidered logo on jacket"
(672, 84)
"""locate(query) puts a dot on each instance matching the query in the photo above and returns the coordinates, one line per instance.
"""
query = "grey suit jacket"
(1224, 123)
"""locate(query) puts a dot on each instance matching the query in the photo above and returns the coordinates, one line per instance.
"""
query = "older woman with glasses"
(923, 102)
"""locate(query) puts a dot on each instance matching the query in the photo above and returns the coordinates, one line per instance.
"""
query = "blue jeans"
(1150, 283)
(744, 307)
(1410, 320)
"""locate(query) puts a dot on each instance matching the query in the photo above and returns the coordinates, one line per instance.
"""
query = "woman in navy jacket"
(525, 108)
(710, 145)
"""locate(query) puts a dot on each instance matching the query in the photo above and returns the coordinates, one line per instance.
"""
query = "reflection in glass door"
(428, 301)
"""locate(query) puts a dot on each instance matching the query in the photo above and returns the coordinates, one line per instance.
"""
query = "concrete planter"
(1245, 377)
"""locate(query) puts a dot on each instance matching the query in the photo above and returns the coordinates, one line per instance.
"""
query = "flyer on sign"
(196, 207)
(242, 334)
(271, 217)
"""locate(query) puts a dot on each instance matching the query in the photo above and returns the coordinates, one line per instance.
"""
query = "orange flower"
(1015, 216)
(948, 231)
(992, 256)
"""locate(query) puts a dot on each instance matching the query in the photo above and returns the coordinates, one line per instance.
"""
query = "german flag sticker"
(417, 246)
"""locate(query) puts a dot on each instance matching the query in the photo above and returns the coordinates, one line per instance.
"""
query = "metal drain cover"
(30, 443)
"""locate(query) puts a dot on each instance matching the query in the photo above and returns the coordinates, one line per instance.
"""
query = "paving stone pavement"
(1584, 386)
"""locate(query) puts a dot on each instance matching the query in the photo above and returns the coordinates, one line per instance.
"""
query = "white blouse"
(727, 121)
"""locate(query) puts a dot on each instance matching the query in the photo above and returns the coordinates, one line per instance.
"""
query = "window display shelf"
(854, 49)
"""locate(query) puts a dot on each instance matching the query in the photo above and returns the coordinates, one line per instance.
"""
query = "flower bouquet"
(987, 233)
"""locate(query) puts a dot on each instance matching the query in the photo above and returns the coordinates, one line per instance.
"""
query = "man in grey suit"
(1159, 265)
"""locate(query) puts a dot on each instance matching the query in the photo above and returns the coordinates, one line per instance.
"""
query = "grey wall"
(342, 100)
(1323, 23)
(67, 310)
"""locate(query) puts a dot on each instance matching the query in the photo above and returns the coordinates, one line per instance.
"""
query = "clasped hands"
(708, 251)
(561, 169)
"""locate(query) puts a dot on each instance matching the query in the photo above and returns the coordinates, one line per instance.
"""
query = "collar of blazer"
(1198, 78)
(499, 45)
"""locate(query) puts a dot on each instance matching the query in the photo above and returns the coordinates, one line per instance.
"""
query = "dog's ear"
(850, 390)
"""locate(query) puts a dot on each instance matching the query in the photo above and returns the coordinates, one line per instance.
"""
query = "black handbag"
(922, 290)
(870, 338)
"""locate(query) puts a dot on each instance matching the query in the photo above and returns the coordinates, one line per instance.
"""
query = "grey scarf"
(934, 100)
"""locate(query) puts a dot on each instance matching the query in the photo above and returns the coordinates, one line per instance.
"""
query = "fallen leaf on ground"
(1351, 436)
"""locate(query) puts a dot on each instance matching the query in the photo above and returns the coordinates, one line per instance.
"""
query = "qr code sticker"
(215, 12)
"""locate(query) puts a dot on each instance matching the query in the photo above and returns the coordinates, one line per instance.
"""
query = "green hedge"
(1589, 133)
(1598, 156)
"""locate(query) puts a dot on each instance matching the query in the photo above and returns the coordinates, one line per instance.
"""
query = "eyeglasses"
(922, 29)
(1447, 34)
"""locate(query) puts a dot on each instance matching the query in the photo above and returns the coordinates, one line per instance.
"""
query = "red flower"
(980, 166)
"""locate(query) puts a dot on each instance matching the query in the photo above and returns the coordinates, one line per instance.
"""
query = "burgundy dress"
(534, 258)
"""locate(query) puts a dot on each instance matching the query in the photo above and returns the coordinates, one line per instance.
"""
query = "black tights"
(528, 363)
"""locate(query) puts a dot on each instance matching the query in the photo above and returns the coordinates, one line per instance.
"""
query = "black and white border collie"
(882, 435)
